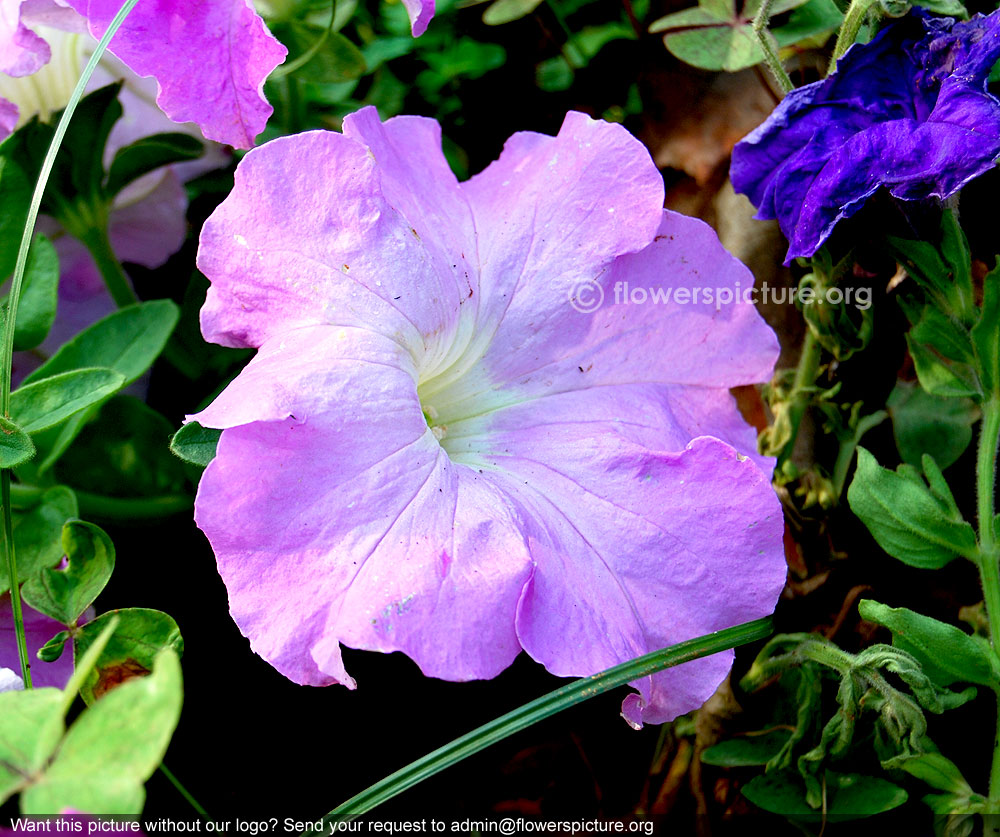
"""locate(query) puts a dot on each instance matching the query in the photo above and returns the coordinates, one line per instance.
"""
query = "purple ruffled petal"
(210, 60)
(636, 550)
(908, 111)
(277, 263)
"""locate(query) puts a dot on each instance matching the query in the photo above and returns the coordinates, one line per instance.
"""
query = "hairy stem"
(855, 17)
(763, 36)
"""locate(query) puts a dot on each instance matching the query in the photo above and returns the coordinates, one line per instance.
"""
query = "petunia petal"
(626, 561)
(298, 245)
(38, 630)
(551, 213)
(22, 52)
(9, 681)
(683, 350)
(209, 59)
(381, 541)
(420, 12)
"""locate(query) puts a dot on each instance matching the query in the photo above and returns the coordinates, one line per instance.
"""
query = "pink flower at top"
(435, 452)
(209, 57)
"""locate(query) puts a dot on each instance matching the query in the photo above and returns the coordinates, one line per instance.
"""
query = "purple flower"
(209, 59)
(434, 452)
(908, 111)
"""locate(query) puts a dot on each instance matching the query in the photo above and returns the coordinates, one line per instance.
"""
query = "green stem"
(97, 242)
(119, 509)
(15, 588)
(989, 555)
(130, 509)
(183, 791)
(763, 36)
(802, 388)
(989, 570)
(537, 710)
(849, 29)
(7, 345)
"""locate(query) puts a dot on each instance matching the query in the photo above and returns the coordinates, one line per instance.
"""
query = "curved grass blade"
(538, 710)
(7, 344)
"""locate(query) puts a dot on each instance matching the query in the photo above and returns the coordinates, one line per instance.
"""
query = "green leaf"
(82, 160)
(127, 341)
(949, 8)
(942, 268)
(505, 11)
(47, 401)
(38, 534)
(36, 309)
(465, 59)
(554, 75)
(123, 453)
(959, 810)
(750, 750)
(31, 724)
(138, 639)
(16, 446)
(715, 36)
(925, 423)
(942, 351)
(334, 58)
(814, 18)
(15, 195)
(53, 649)
(986, 333)
(946, 653)
(849, 795)
(113, 747)
(905, 519)
(65, 594)
(195, 444)
(148, 154)
(938, 772)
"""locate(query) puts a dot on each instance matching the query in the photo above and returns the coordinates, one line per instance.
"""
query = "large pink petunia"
(435, 452)
(209, 57)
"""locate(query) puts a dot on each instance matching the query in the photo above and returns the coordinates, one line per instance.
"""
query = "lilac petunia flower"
(209, 59)
(908, 111)
(435, 452)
